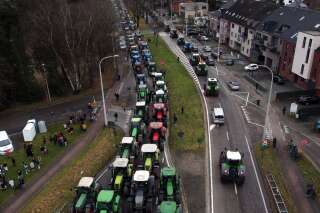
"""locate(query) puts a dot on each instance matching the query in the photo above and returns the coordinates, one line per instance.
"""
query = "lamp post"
(102, 91)
(46, 81)
(267, 120)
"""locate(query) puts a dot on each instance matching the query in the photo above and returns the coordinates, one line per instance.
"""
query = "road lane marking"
(256, 174)
(227, 135)
(102, 174)
(235, 189)
(212, 126)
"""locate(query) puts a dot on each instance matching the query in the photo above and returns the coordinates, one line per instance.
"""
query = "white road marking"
(227, 135)
(120, 88)
(212, 126)
(257, 178)
(101, 175)
(235, 189)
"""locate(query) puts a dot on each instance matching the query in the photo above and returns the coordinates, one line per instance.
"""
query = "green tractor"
(201, 69)
(143, 93)
(150, 156)
(212, 87)
(127, 148)
(169, 207)
(86, 192)
(232, 167)
(169, 185)
(121, 175)
(141, 110)
(108, 202)
(137, 129)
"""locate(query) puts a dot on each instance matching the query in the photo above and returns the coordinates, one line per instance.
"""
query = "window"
(248, 41)
(242, 49)
(239, 30)
(302, 69)
(232, 25)
(231, 34)
(310, 43)
(308, 54)
(304, 42)
(250, 31)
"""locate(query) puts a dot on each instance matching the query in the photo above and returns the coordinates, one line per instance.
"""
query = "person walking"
(175, 119)
(116, 116)
(182, 110)
(284, 109)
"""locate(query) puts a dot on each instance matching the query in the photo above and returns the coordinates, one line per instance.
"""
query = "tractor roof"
(142, 86)
(127, 140)
(168, 206)
(135, 119)
(85, 182)
(195, 54)
(140, 75)
(120, 163)
(141, 176)
(168, 171)
(158, 105)
(212, 80)
(202, 63)
(157, 74)
(149, 148)
(140, 103)
(160, 92)
(160, 83)
(155, 125)
(105, 196)
(233, 155)
(152, 63)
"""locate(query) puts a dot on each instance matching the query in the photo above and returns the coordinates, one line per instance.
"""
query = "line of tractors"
(139, 181)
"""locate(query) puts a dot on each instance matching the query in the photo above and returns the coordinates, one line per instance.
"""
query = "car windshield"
(4, 142)
(235, 83)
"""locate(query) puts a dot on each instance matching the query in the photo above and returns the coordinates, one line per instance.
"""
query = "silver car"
(234, 85)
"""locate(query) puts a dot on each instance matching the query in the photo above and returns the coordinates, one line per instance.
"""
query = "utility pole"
(46, 81)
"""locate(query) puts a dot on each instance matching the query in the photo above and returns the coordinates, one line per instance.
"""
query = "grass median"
(19, 155)
(90, 161)
(182, 93)
(269, 163)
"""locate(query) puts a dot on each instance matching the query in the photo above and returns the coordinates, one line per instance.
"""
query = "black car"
(180, 41)
(210, 61)
(173, 34)
(308, 100)
(230, 63)
(278, 79)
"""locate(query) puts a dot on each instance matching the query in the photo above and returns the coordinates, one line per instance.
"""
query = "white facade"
(241, 39)
(224, 31)
(193, 9)
(307, 43)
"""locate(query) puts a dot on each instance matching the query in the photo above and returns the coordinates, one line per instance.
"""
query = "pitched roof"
(249, 12)
(288, 21)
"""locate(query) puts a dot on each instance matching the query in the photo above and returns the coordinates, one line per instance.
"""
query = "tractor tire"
(178, 198)
(161, 197)
(128, 207)
(149, 206)
(240, 182)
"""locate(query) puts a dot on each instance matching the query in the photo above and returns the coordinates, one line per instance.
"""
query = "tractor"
(151, 67)
(137, 129)
(161, 85)
(86, 192)
(212, 87)
(108, 202)
(143, 93)
(201, 69)
(195, 59)
(127, 148)
(150, 156)
(143, 45)
(157, 76)
(137, 67)
(232, 167)
(141, 79)
(141, 110)
(121, 175)
(169, 207)
(160, 96)
(159, 113)
(187, 47)
(156, 134)
(142, 194)
(169, 185)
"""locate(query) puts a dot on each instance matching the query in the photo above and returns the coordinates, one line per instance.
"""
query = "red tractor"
(157, 134)
(159, 113)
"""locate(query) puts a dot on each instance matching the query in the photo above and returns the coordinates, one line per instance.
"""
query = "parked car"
(234, 85)
(251, 67)
(210, 61)
(229, 62)
(180, 41)
(207, 49)
(6, 146)
(278, 79)
(308, 100)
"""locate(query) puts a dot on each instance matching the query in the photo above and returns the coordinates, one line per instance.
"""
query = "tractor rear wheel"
(149, 206)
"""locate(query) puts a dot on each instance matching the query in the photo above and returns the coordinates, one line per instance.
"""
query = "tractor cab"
(169, 185)
(159, 112)
(212, 87)
(150, 155)
(141, 78)
(157, 76)
(157, 134)
(160, 96)
(141, 109)
(108, 201)
(169, 207)
(232, 167)
(201, 69)
(137, 128)
(137, 67)
(121, 172)
(161, 85)
(151, 67)
(127, 148)
(143, 93)
(195, 59)
(142, 193)
(134, 48)
(143, 45)
(86, 191)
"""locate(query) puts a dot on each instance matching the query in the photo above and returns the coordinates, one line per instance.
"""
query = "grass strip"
(90, 161)
(182, 93)
(269, 163)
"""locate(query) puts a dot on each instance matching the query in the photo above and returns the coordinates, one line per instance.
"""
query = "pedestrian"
(13, 161)
(178, 59)
(44, 141)
(258, 102)
(20, 179)
(29, 150)
(44, 150)
(274, 142)
(25, 167)
(36, 162)
(118, 77)
(257, 86)
(182, 110)
(175, 119)
(117, 96)
(284, 109)
(116, 116)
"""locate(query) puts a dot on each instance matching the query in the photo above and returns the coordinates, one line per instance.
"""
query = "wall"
(285, 60)
(315, 73)
(224, 31)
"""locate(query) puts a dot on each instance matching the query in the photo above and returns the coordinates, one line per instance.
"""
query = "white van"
(6, 146)
(29, 131)
(218, 116)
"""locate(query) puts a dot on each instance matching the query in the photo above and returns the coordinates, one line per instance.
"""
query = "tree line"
(61, 40)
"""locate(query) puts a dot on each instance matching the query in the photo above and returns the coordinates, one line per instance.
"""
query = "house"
(193, 9)
(238, 23)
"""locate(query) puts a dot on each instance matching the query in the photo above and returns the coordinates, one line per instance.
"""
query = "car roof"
(218, 111)
(3, 136)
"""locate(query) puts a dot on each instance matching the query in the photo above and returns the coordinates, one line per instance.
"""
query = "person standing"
(284, 109)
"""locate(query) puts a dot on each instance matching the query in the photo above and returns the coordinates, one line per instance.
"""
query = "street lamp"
(102, 91)
(267, 120)
(46, 81)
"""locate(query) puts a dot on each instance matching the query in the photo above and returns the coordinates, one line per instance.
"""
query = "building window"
(248, 41)
(308, 54)
(232, 25)
(239, 30)
(304, 42)
(242, 49)
(231, 34)
(310, 43)
(302, 69)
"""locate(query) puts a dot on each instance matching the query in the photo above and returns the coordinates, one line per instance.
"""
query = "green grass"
(310, 173)
(269, 163)
(182, 92)
(20, 155)
(91, 160)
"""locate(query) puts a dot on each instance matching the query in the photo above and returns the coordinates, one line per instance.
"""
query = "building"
(193, 9)
(241, 20)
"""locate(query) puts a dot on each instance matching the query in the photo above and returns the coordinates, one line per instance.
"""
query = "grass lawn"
(269, 163)
(182, 92)
(309, 173)
(91, 160)
(20, 155)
